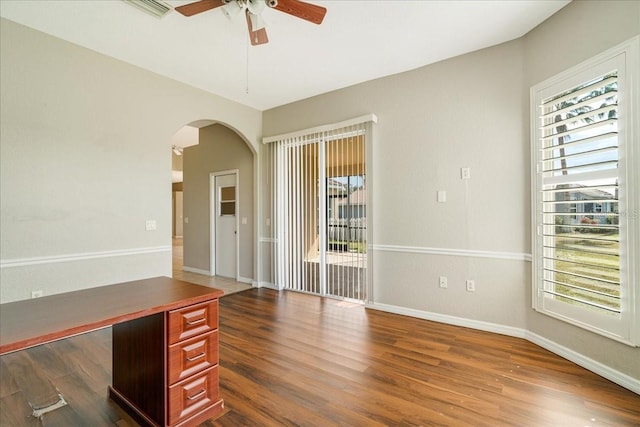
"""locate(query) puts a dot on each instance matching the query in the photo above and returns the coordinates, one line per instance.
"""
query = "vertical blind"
(320, 207)
(579, 169)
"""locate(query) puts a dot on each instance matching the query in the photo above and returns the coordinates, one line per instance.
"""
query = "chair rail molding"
(453, 252)
(21, 262)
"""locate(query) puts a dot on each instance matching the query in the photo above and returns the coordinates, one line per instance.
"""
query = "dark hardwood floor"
(290, 359)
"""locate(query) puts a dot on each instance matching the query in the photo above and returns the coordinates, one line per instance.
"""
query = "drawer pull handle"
(195, 322)
(200, 356)
(197, 395)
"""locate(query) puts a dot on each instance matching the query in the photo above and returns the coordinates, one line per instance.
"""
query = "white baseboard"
(451, 320)
(607, 372)
(594, 366)
(196, 270)
(208, 273)
(268, 285)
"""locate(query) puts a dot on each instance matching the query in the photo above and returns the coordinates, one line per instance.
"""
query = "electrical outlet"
(465, 173)
(443, 281)
(36, 294)
(471, 286)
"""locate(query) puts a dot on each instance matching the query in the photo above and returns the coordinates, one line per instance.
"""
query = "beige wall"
(178, 218)
(573, 25)
(176, 162)
(85, 160)
(219, 149)
(469, 111)
(465, 112)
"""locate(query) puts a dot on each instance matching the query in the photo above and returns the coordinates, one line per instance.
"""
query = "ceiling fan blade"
(307, 11)
(257, 37)
(199, 7)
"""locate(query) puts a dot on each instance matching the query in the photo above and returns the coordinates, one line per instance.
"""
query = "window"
(227, 201)
(585, 195)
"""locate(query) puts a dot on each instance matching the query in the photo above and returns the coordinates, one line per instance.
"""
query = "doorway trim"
(212, 219)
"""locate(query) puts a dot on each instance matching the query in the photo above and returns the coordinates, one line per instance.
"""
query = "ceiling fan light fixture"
(231, 9)
(255, 6)
(271, 3)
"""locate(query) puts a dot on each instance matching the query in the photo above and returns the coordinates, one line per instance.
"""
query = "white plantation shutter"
(580, 213)
(584, 243)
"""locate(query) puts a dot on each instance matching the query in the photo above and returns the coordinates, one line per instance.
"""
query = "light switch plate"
(442, 281)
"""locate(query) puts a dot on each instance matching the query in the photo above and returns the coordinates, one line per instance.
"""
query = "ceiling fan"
(253, 10)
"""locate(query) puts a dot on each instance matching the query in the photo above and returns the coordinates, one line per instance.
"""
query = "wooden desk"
(165, 343)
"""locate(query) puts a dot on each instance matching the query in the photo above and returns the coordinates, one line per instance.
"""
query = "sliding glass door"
(321, 212)
(346, 219)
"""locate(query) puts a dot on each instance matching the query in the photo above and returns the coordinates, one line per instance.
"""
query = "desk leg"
(139, 369)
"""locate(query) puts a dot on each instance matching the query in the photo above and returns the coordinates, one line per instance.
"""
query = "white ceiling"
(358, 41)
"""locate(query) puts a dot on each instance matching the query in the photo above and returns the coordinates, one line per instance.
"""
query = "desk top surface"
(37, 321)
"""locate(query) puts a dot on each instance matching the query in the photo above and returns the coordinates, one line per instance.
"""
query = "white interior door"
(225, 233)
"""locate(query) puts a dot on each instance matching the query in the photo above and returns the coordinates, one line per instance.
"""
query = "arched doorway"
(213, 149)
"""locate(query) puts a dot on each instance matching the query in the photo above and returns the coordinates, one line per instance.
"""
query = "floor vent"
(157, 8)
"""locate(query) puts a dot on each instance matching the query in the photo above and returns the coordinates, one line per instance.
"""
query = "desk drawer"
(193, 320)
(192, 356)
(192, 395)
